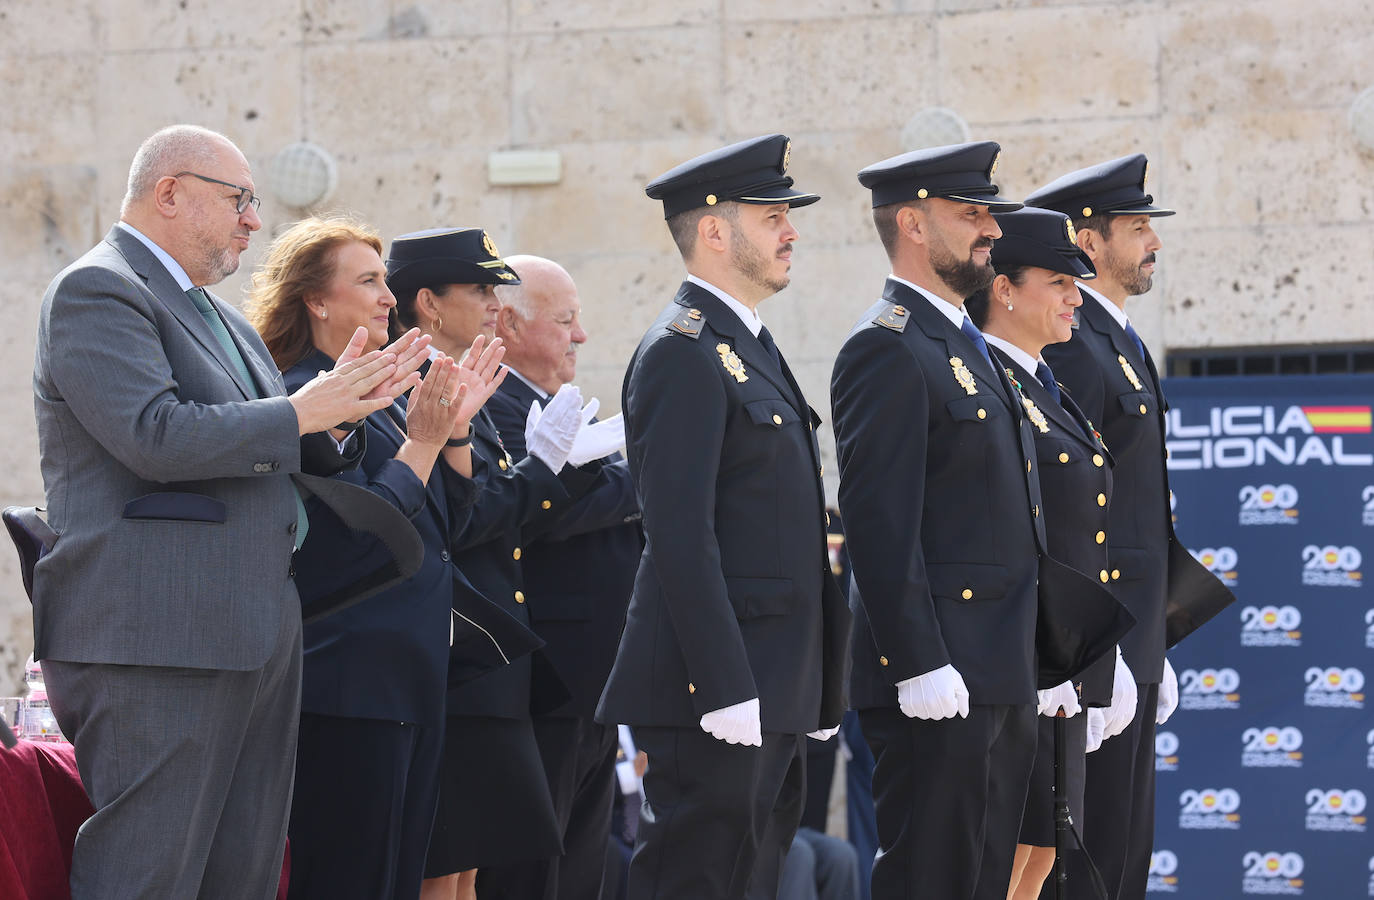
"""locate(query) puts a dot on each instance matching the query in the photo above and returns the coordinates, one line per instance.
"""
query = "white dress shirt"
(749, 317)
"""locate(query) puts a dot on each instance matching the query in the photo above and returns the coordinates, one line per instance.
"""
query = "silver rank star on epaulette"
(689, 323)
(894, 317)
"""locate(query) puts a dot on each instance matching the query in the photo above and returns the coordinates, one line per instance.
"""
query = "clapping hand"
(348, 392)
(435, 405)
(480, 373)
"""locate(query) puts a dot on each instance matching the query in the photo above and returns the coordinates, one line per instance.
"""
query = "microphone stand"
(1063, 822)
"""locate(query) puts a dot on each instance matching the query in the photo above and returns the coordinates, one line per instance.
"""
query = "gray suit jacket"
(170, 489)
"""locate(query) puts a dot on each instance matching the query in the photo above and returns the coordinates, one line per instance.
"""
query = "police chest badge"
(963, 375)
(1129, 372)
(1035, 415)
(732, 363)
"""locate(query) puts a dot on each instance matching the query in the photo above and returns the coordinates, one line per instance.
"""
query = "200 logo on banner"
(1209, 809)
(1269, 504)
(1332, 566)
(1335, 810)
(1270, 626)
(1209, 688)
(1272, 873)
(1271, 747)
(1334, 688)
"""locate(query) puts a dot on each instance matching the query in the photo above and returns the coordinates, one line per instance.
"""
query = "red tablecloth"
(42, 804)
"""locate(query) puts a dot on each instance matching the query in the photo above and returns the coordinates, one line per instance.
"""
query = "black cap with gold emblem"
(1043, 238)
(445, 256)
(959, 172)
(752, 171)
(1114, 188)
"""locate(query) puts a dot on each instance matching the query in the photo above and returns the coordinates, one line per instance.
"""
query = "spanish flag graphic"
(1339, 419)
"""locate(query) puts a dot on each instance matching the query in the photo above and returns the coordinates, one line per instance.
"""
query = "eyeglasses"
(245, 194)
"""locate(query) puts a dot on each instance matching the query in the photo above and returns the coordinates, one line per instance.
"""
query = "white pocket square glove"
(1051, 700)
(1097, 721)
(597, 439)
(824, 734)
(938, 694)
(1168, 695)
(550, 432)
(738, 724)
(1122, 709)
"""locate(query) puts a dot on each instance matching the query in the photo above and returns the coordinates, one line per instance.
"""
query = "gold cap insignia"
(922, 193)
(710, 199)
(786, 157)
(732, 363)
(996, 158)
(1073, 235)
(488, 245)
(963, 375)
(1145, 175)
(1087, 212)
(1129, 372)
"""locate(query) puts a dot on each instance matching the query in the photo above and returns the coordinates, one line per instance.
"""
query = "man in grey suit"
(165, 615)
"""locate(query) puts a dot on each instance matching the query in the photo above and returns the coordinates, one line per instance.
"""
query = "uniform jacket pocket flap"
(176, 505)
(753, 597)
(1132, 403)
(974, 409)
(1131, 562)
(773, 413)
(967, 582)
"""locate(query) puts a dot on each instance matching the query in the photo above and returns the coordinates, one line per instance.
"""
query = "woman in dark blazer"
(1031, 304)
(376, 673)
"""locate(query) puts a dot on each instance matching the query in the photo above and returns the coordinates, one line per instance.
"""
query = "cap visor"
(993, 202)
(1153, 212)
(778, 195)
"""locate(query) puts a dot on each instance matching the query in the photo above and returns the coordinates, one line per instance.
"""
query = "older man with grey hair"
(579, 574)
(165, 616)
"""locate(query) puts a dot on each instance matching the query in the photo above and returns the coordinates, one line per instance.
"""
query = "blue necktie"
(221, 332)
(1046, 377)
(766, 340)
(1139, 344)
(973, 334)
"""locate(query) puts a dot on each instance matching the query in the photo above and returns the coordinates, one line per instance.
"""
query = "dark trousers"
(949, 796)
(718, 818)
(1119, 808)
(579, 760)
(365, 796)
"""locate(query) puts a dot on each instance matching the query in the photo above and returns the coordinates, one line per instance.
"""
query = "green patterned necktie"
(221, 331)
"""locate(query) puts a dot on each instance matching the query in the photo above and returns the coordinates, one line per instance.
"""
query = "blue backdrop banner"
(1266, 769)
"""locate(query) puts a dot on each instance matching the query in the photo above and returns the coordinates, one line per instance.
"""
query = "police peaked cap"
(959, 172)
(1040, 237)
(445, 256)
(1115, 188)
(752, 171)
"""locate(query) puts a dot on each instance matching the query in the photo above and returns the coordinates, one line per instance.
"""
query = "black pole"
(1062, 821)
(7, 737)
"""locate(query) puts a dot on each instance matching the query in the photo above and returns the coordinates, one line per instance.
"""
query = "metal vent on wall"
(1310, 359)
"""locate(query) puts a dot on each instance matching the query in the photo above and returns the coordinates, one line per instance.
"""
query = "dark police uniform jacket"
(1120, 392)
(941, 507)
(733, 598)
(1076, 487)
(580, 571)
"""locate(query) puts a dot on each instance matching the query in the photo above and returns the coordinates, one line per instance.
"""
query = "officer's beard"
(1132, 278)
(966, 276)
(750, 262)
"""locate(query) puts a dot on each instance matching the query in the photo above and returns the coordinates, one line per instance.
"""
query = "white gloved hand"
(1051, 700)
(597, 439)
(1097, 723)
(824, 734)
(1168, 695)
(738, 724)
(938, 694)
(550, 432)
(1124, 694)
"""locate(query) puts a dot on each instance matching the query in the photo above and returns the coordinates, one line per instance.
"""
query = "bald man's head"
(539, 322)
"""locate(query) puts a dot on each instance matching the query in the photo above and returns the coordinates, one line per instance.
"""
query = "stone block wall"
(1241, 107)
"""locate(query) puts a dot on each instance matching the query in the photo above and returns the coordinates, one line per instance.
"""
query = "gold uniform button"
(691, 688)
(1098, 460)
(1116, 574)
(968, 594)
(1103, 575)
(502, 464)
(982, 413)
(546, 504)
(519, 596)
(777, 420)
(1143, 409)
(1101, 536)
(1063, 457)
(515, 553)
(1101, 499)
(882, 660)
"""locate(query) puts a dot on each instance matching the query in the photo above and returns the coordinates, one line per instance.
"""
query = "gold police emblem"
(1145, 175)
(996, 158)
(1073, 235)
(963, 375)
(786, 157)
(489, 246)
(1035, 415)
(732, 363)
(1128, 372)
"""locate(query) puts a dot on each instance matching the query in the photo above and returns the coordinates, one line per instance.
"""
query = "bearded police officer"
(735, 640)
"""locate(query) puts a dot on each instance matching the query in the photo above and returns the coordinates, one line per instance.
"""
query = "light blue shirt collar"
(749, 317)
(172, 266)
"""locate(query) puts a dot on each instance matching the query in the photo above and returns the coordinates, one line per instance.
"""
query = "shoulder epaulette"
(689, 323)
(894, 316)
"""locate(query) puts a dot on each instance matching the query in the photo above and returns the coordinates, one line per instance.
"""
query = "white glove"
(1124, 695)
(1168, 695)
(738, 724)
(597, 439)
(824, 734)
(1051, 700)
(550, 432)
(1097, 722)
(938, 694)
